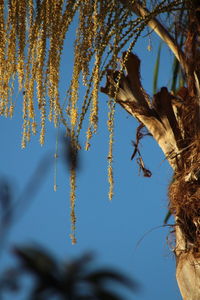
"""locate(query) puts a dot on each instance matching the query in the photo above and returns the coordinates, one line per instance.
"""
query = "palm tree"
(172, 118)
(28, 35)
(73, 280)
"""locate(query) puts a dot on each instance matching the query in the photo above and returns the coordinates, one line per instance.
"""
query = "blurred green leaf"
(74, 280)
(101, 276)
(36, 259)
(156, 69)
(6, 201)
(107, 295)
(166, 219)
(176, 69)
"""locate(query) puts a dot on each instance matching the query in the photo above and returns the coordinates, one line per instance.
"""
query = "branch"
(159, 29)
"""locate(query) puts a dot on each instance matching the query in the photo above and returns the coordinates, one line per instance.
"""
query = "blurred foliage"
(71, 155)
(156, 70)
(14, 205)
(51, 279)
(74, 280)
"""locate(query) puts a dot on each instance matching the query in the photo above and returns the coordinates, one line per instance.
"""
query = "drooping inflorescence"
(32, 35)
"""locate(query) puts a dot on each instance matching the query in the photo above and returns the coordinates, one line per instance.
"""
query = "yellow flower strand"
(21, 30)
(72, 202)
(110, 124)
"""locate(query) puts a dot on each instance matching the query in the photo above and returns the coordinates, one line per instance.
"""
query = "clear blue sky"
(112, 230)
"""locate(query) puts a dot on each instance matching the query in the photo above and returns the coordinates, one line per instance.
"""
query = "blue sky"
(124, 233)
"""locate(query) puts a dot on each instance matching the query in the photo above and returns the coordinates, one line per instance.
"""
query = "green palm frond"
(156, 69)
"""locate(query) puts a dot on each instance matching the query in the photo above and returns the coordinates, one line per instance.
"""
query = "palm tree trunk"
(160, 118)
(187, 269)
(176, 128)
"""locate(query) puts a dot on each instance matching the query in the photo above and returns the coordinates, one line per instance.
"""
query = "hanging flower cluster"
(32, 35)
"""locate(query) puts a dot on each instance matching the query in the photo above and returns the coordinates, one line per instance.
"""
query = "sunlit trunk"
(187, 269)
